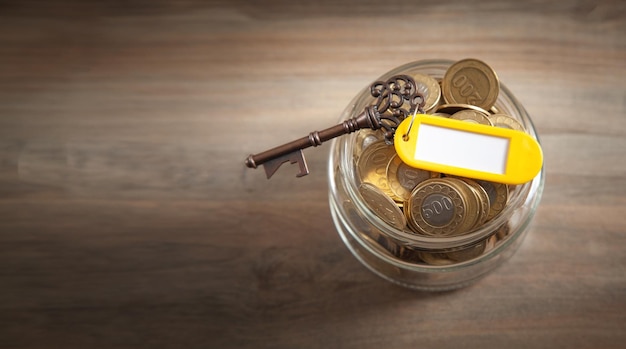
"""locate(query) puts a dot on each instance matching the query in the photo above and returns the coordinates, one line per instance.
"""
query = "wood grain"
(127, 217)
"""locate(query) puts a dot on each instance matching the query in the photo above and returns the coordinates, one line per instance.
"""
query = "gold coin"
(389, 245)
(506, 121)
(367, 151)
(483, 200)
(372, 165)
(409, 254)
(478, 203)
(498, 196)
(491, 243)
(437, 207)
(373, 236)
(357, 220)
(471, 81)
(473, 207)
(380, 247)
(434, 258)
(374, 244)
(503, 231)
(467, 253)
(382, 205)
(402, 178)
(429, 88)
(472, 116)
(455, 108)
(441, 114)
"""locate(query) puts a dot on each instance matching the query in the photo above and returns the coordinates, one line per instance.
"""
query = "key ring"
(405, 137)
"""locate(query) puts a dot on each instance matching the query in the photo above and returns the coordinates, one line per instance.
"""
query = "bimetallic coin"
(402, 178)
(505, 121)
(371, 139)
(437, 207)
(365, 138)
(473, 209)
(429, 88)
(498, 196)
(451, 109)
(372, 165)
(472, 116)
(382, 205)
(483, 201)
(471, 81)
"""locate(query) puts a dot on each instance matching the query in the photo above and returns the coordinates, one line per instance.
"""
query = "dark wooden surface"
(127, 218)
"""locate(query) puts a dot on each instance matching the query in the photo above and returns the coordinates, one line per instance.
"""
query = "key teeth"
(271, 167)
(304, 169)
(296, 157)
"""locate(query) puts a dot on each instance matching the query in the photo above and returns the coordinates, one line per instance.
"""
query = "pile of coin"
(438, 257)
(434, 204)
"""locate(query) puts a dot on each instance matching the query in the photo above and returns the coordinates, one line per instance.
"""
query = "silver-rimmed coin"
(437, 207)
(403, 178)
(365, 138)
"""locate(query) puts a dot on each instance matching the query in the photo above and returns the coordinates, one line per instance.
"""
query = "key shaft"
(368, 119)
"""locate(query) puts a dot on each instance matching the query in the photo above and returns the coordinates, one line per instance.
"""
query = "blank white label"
(462, 149)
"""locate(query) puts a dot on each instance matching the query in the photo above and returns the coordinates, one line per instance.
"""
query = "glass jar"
(411, 260)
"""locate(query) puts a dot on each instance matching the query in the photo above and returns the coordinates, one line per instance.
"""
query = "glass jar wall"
(413, 260)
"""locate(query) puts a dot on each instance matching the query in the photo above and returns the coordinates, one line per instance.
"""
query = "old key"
(385, 112)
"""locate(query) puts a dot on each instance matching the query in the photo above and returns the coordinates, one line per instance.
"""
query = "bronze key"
(385, 112)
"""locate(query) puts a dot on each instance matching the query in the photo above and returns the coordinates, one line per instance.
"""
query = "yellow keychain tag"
(470, 150)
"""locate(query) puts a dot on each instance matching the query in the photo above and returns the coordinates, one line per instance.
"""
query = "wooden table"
(127, 217)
